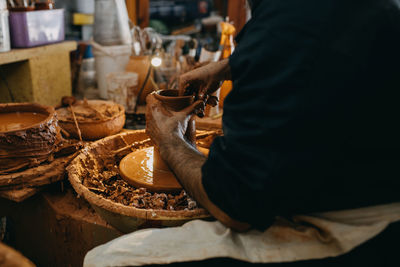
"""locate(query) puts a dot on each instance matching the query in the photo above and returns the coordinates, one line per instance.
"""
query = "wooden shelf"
(20, 54)
(40, 74)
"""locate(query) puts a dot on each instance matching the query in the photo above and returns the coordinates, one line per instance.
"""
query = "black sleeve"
(309, 125)
(249, 170)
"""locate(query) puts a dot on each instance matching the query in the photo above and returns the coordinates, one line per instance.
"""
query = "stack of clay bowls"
(96, 119)
(27, 144)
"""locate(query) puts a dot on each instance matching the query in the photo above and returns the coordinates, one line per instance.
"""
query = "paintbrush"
(11, 2)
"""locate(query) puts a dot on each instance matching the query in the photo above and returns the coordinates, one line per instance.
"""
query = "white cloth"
(314, 236)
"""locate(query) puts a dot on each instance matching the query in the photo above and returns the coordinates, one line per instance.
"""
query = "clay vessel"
(140, 65)
(92, 127)
(28, 146)
(172, 100)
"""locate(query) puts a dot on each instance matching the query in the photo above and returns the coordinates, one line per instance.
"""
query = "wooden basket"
(124, 218)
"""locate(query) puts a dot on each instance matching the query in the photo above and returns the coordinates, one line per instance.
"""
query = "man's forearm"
(186, 162)
(223, 69)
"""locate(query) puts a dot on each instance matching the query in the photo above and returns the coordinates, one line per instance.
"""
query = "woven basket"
(124, 218)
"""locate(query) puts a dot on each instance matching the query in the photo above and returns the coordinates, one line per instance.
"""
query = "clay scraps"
(109, 184)
(89, 111)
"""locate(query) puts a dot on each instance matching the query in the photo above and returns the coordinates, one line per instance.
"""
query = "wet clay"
(109, 184)
(90, 111)
(19, 120)
(34, 142)
(139, 164)
(95, 118)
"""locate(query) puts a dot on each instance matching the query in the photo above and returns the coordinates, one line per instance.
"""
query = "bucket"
(111, 23)
(122, 89)
(109, 59)
(34, 28)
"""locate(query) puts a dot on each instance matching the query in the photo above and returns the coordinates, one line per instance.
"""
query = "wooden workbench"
(40, 74)
(54, 228)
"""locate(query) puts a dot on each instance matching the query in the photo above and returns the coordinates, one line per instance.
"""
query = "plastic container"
(109, 59)
(34, 28)
(4, 32)
(122, 89)
(3, 5)
(111, 23)
(85, 6)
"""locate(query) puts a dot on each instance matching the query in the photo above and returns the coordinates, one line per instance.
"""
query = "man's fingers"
(212, 87)
(194, 108)
(212, 100)
(154, 106)
(150, 100)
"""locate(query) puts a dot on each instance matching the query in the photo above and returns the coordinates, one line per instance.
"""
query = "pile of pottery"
(29, 133)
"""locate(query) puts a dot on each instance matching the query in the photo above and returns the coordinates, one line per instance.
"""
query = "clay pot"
(31, 145)
(172, 100)
(92, 129)
(122, 217)
(140, 65)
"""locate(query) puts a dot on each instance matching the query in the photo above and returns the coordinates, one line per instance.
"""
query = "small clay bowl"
(29, 145)
(122, 217)
(173, 100)
(94, 130)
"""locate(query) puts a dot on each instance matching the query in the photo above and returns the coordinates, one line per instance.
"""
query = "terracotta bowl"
(28, 146)
(124, 218)
(93, 129)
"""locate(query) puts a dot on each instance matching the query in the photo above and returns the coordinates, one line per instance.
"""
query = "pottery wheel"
(137, 169)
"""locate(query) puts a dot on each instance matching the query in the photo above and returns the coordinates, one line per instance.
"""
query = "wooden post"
(237, 13)
(143, 13)
(132, 11)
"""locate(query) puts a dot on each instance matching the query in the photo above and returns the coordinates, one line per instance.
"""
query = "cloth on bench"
(305, 237)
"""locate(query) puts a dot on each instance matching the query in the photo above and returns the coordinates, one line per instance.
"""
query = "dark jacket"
(312, 121)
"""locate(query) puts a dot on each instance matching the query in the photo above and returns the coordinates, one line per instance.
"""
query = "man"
(310, 124)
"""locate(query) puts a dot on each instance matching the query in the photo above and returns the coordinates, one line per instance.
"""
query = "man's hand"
(205, 80)
(163, 124)
(167, 130)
